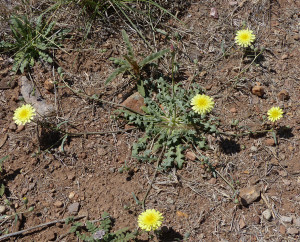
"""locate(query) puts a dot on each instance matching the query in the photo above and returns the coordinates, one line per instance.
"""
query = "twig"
(154, 176)
(36, 227)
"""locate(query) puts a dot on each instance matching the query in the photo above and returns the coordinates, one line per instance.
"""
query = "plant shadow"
(229, 146)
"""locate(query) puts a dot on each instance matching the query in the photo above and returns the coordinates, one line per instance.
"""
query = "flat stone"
(73, 208)
(286, 219)
(249, 194)
(293, 231)
(267, 214)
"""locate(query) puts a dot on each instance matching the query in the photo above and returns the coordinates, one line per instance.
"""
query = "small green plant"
(169, 123)
(2, 187)
(130, 63)
(32, 41)
(101, 232)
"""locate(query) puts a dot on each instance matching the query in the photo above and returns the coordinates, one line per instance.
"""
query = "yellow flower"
(150, 220)
(24, 114)
(275, 113)
(202, 104)
(244, 37)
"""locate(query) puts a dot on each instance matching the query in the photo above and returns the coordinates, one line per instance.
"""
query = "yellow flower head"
(275, 113)
(150, 220)
(24, 114)
(244, 37)
(202, 104)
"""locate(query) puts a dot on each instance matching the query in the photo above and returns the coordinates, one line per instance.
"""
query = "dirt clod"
(190, 155)
(282, 229)
(283, 95)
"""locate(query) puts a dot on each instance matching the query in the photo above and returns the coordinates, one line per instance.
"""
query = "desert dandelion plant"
(202, 103)
(244, 37)
(150, 220)
(275, 113)
(24, 114)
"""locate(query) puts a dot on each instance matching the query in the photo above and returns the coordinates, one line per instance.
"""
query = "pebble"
(233, 110)
(2, 209)
(267, 214)
(292, 231)
(270, 142)
(286, 219)
(284, 56)
(242, 224)
(249, 194)
(112, 169)
(58, 204)
(253, 148)
(258, 91)
(73, 208)
(282, 229)
(71, 195)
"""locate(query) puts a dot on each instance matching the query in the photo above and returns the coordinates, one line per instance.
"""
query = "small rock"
(208, 87)
(256, 220)
(49, 85)
(202, 74)
(232, 3)
(282, 229)
(282, 173)
(2, 209)
(20, 128)
(286, 219)
(71, 176)
(284, 56)
(212, 181)
(71, 195)
(12, 126)
(267, 214)
(258, 91)
(286, 182)
(233, 110)
(283, 95)
(73, 208)
(253, 148)
(249, 194)
(112, 170)
(296, 222)
(270, 142)
(190, 155)
(101, 151)
(214, 13)
(52, 237)
(58, 204)
(242, 224)
(292, 231)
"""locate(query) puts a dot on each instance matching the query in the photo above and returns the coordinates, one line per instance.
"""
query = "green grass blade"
(150, 58)
(128, 44)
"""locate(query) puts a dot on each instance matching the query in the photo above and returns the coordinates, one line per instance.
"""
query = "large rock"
(32, 96)
(249, 194)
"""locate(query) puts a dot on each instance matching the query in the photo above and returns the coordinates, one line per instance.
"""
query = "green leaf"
(150, 58)
(116, 73)
(141, 88)
(2, 190)
(63, 141)
(23, 65)
(274, 137)
(179, 156)
(128, 44)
